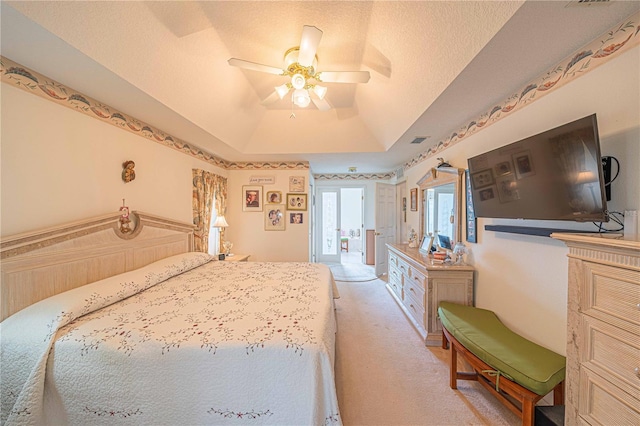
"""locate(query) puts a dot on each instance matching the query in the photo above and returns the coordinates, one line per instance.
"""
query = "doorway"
(340, 225)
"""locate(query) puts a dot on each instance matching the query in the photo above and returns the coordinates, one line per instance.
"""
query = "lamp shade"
(282, 90)
(220, 222)
(301, 98)
(298, 81)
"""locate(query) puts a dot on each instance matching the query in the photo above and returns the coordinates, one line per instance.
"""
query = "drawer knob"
(638, 306)
(637, 370)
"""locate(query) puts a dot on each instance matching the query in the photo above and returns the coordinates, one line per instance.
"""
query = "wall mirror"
(441, 192)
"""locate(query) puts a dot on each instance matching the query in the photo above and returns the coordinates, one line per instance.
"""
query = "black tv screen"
(555, 175)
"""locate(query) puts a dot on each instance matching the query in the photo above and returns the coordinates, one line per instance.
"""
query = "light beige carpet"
(386, 376)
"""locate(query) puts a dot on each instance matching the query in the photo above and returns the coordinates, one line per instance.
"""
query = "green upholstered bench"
(504, 362)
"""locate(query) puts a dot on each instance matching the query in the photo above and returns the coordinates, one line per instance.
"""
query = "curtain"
(209, 190)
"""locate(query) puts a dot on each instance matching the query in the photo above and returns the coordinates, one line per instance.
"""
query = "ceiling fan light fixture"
(301, 98)
(298, 81)
(320, 91)
(282, 90)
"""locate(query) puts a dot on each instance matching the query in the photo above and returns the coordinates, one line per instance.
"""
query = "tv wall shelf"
(526, 230)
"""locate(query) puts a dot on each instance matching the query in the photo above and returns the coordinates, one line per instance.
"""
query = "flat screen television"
(554, 175)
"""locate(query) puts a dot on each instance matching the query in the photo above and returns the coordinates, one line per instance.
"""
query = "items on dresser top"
(603, 330)
(418, 284)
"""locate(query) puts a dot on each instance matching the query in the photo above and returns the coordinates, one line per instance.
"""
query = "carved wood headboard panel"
(40, 264)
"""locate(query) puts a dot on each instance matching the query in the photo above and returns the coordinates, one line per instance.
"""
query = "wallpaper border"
(354, 176)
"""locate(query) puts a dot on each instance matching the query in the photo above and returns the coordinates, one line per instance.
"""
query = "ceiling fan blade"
(344, 76)
(272, 98)
(254, 66)
(309, 45)
(321, 104)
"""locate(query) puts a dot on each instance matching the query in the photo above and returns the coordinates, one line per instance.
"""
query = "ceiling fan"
(300, 67)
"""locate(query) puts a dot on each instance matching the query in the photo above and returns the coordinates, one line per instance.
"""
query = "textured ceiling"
(433, 65)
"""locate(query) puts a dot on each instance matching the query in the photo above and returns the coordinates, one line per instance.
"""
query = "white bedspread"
(221, 343)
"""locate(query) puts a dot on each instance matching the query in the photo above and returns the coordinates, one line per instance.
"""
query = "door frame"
(316, 253)
(319, 256)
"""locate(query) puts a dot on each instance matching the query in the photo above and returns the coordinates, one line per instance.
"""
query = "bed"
(104, 327)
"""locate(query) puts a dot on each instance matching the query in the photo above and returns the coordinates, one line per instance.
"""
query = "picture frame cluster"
(277, 210)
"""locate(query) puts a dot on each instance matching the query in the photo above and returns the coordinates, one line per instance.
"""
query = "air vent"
(587, 3)
(419, 139)
(400, 173)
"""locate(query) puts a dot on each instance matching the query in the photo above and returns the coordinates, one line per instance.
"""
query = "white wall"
(246, 229)
(59, 166)
(524, 278)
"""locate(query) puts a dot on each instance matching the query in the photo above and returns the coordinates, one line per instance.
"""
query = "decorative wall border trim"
(355, 176)
(37, 84)
(621, 38)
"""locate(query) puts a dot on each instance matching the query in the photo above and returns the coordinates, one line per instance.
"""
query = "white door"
(328, 225)
(385, 223)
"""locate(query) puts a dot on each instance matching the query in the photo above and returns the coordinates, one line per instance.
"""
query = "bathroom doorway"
(340, 225)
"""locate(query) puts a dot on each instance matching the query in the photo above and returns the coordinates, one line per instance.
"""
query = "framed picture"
(426, 244)
(482, 179)
(252, 198)
(487, 193)
(523, 164)
(297, 202)
(414, 199)
(274, 197)
(503, 168)
(296, 218)
(471, 214)
(507, 189)
(296, 184)
(274, 218)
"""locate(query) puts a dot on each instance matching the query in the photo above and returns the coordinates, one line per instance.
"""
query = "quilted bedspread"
(183, 341)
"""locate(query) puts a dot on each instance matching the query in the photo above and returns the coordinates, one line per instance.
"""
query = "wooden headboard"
(40, 264)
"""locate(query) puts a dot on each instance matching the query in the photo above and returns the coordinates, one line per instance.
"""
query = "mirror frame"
(443, 176)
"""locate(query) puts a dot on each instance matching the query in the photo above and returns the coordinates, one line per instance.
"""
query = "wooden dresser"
(603, 330)
(418, 286)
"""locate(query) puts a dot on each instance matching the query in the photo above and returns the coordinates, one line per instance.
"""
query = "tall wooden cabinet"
(418, 286)
(603, 330)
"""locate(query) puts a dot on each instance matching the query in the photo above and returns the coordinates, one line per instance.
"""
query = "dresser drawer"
(610, 351)
(403, 267)
(415, 289)
(393, 259)
(395, 284)
(415, 309)
(395, 275)
(417, 277)
(612, 295)
(602, 403)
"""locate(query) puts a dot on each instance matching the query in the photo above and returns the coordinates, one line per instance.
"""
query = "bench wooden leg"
(453, 368)
(528, 408)
(558, 394)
